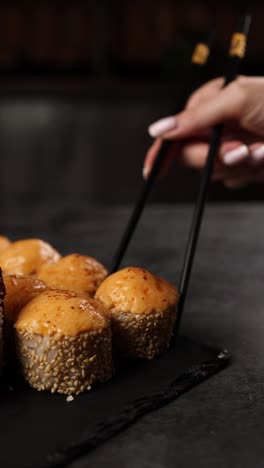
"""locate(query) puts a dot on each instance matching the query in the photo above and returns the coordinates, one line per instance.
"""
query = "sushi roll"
(2, 295)
(4, 243)
(64, 342)
(143, 311)
(25, 257)
(19, 291)
(74, 272)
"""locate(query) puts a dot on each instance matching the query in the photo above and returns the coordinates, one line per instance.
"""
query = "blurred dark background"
(81, 81)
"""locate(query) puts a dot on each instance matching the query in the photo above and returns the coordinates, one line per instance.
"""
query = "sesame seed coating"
(64, 343)
(63, 369)
(143, 335)
(143, 311)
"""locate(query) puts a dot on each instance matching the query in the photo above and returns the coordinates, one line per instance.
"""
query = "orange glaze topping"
(4, 243)
(19, 291)
(25, 257)
(74, 272)
(136, 290)
(63, 313)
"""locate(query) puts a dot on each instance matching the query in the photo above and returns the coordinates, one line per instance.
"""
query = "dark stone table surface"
(220, 423)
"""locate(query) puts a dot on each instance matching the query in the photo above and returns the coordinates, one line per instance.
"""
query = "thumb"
(226, 105)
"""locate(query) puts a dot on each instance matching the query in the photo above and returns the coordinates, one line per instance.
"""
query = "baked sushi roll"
(19, 291)
(74, 272)
(25, 257)
(4, 243)
(143, 311)
(2, 295)
(64, 342)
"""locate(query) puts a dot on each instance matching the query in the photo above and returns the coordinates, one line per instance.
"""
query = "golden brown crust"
(136, 290)
(61, 313)
(25, 257)
(4, 243)
(74, 272)
(19, 291)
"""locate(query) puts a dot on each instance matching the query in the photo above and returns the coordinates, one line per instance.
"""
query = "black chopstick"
(236, 54)
(199, 59)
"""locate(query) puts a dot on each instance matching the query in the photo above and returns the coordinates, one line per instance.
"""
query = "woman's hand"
(240, 106)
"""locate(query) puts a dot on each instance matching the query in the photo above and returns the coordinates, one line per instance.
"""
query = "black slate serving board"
(43, 430)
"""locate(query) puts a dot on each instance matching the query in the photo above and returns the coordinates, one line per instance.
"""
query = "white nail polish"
(258, 153)
(235, 156)
(161, 126)
(146, 171)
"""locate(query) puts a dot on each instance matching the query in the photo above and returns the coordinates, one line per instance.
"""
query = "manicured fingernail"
(236, 155)
(146, 171)
(258, 153)
(161, 126)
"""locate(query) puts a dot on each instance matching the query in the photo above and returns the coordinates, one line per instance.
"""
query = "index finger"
(207, 91)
